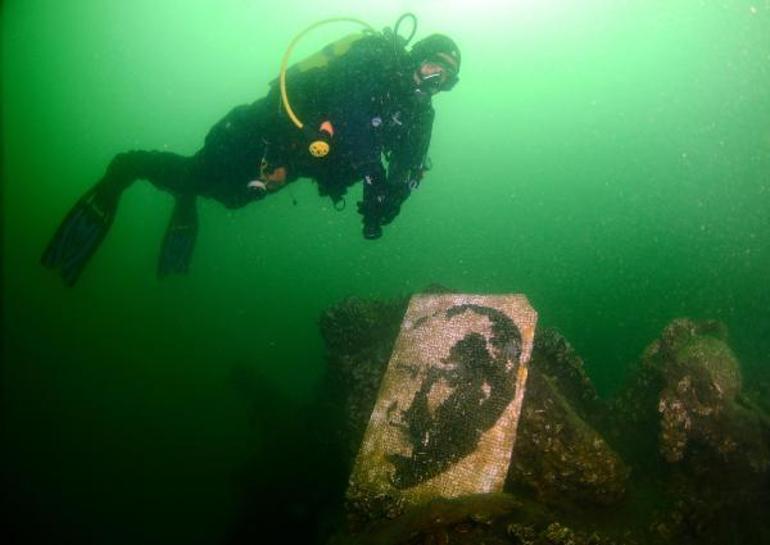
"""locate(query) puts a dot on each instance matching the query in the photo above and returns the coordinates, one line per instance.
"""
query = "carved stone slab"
(445, 419)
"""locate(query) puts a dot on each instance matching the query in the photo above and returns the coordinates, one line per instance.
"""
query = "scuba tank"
(320, 138)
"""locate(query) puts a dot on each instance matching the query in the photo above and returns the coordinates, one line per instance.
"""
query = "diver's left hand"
(389, 214)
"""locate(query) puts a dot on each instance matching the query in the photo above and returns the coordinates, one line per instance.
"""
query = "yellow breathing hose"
(285, 60)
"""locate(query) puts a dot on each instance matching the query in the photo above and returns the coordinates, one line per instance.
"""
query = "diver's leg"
(86, 225)
(179, 240)
(179, 176)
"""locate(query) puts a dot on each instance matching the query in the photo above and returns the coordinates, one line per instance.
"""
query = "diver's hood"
(436, 48)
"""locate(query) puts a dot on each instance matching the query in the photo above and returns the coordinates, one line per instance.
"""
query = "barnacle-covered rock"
(558, 455)
(359, 336)
(697, 446)
(702, 380)
(554, 357)
(491, 519)
(687, 395)
(684, 410)
(463, 520)
(557, 533)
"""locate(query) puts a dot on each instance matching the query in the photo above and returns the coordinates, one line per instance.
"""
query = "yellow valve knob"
(319, 148)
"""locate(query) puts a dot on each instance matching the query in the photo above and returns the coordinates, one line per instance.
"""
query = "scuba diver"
(363, 98)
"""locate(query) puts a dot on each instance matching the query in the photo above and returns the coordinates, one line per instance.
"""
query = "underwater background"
(611, 160)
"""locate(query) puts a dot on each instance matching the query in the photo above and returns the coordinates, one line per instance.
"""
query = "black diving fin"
(80, 234)
(179, 240)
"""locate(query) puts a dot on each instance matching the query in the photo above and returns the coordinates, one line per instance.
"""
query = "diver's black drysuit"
(369, 97)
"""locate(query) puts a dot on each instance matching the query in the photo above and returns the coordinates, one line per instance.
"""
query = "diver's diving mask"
(436, 75)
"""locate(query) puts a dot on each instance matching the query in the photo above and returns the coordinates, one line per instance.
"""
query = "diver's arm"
(385, 193)
(374, 206)
(408, 162)
(409, 148)
(360, 88)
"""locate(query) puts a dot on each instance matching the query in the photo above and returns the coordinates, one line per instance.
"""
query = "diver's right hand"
(372, 230)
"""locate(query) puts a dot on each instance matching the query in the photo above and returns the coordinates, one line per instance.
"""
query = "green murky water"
(609, 159)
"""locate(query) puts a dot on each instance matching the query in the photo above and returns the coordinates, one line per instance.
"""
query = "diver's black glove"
(389, 213)
(372, 214)
(396, 194)
(372, 231)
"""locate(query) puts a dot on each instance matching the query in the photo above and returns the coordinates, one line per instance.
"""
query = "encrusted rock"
(558, 455)
(691, 380)
(697, 446)
(359, 336)
(684, 409)
(554, 357)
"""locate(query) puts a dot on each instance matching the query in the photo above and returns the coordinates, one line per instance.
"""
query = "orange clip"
(276, 176)
(327, 127)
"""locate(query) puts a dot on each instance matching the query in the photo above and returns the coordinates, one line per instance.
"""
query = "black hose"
(398, 24)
